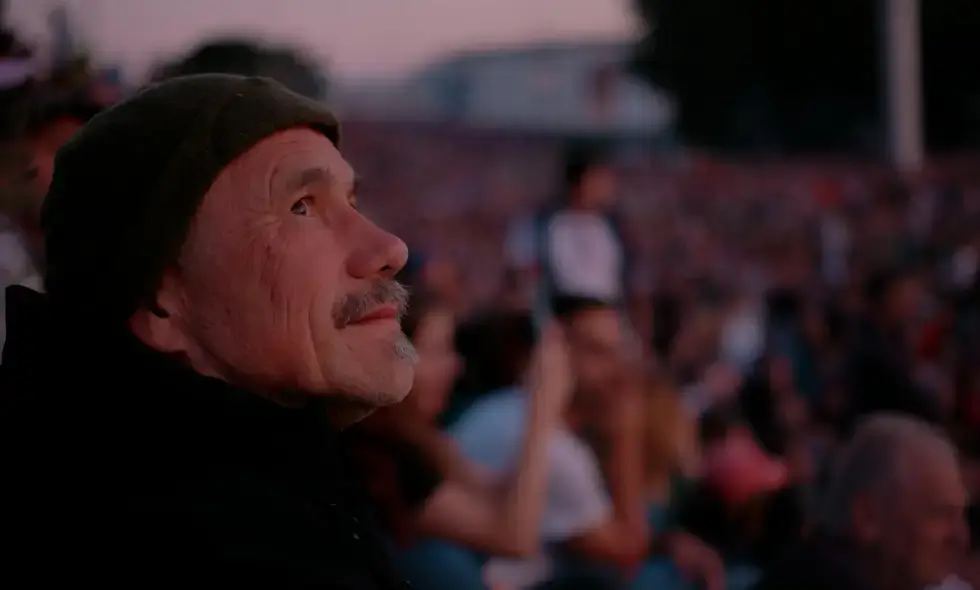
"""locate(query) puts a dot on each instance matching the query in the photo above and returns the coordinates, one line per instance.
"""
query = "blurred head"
(590, 179)
(432, 329)
(42, 128)
(496, 349)
(49, 128)
(250, 57)
(283, 286)
(895, 294)
(898, 496)
(596, 341)
(441, 276)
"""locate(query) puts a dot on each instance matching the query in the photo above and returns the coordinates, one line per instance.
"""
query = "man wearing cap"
(215, 310)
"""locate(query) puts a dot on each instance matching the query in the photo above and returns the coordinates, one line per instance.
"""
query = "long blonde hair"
(671, 443)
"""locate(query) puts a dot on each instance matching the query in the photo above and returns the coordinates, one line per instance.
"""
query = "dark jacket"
(756, 533)
(394, 454)
(120, 467)
(823, 562)
(878, 376)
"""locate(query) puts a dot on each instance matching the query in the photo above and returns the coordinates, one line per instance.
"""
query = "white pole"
(904, 83)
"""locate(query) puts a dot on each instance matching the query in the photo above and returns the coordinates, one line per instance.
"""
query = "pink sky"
(360, 37)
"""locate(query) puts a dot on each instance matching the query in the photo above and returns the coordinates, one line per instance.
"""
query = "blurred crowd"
(639, 369)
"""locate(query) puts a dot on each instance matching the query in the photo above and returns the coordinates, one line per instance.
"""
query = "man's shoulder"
(228, 525)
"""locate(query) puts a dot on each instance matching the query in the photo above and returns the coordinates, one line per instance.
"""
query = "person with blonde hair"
(671, 440)
(671, 455)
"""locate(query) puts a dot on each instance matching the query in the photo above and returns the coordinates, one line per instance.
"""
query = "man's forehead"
(297, 151)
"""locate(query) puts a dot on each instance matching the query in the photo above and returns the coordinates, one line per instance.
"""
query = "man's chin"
(345, 415)
(347, 408)
(403, 378)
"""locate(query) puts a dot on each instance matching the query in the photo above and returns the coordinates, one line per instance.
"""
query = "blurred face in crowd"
(42, 149)
(442, 277)
(28, 166)
(595, 338)
(284, 287)
(438, 364)
(597, 187)
(905, 299)
(916, 527)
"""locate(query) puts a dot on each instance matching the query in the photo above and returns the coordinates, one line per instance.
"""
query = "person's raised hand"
(550, 380)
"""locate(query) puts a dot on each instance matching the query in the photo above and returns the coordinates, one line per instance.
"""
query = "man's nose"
(376, 253)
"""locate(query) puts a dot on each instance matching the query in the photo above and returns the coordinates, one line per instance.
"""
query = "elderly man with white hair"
(893, 518)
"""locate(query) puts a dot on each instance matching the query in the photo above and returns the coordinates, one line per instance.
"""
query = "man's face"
(284, 286)
(922, 528)
(596, 340)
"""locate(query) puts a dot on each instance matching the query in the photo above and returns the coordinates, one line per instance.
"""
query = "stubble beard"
(346, 409)
(405, 350)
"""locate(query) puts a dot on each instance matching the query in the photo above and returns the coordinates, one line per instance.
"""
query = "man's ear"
(158, 322)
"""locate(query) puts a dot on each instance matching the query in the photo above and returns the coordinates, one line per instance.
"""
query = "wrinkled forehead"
(288, 160)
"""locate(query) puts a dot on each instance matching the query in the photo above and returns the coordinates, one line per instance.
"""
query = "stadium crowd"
(644, 369)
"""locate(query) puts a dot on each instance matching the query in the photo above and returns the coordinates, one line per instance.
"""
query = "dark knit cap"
(127, 186)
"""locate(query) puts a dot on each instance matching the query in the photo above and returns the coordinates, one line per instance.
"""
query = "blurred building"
(566, 88)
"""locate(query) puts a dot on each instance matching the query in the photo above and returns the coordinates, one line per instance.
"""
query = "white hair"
(874, 460)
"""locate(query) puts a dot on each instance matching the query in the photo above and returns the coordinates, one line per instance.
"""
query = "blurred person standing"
(49, 126)
(833, 234)
(893, 517)
(215, 310)
(742, 334)
(879, 364)
(576, 246)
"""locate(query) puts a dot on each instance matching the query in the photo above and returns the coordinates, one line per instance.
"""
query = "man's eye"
(301, 207)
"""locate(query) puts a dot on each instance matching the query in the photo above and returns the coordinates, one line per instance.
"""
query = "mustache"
(381, 292)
